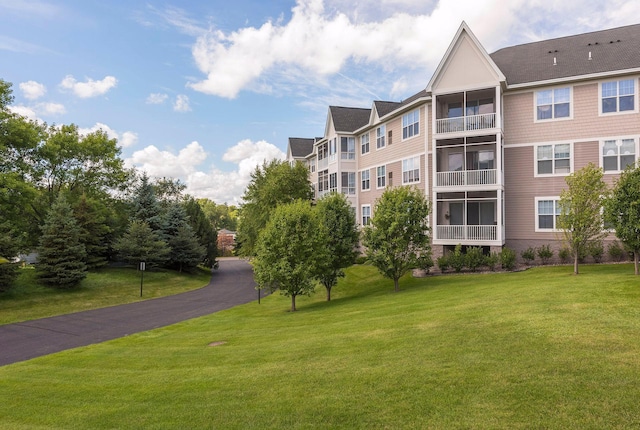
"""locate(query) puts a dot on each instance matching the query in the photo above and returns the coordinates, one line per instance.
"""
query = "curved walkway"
(232, 284)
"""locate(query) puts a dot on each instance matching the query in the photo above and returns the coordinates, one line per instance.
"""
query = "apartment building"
(492, 137)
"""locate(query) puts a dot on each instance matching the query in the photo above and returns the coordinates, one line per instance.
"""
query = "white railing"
(465, 123)
(322, 164)
(468, 233)
(466, 177)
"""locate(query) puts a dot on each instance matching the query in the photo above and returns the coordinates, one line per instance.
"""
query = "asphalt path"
(231, 285)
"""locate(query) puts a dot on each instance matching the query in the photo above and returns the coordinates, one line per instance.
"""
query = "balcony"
(466, 123)
(462, 178)
(467, 233)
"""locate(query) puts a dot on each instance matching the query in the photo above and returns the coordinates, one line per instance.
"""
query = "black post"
(258, 295)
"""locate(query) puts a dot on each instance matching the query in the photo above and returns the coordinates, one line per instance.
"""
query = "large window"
(349, 183)
(364, 143)
(322, 151)
(366, 214)
(553, 159)
(547, 213)
(411, 170)
(365, 180)
(552, 104)
(381, 176)
(411, 124)
(323, 182)
(380, 135)
(618, 96)
(618, 154)
(333, 150)
(333, 182)
(348, 148)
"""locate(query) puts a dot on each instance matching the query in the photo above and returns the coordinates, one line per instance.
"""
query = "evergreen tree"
(202, 227)
(94, 231)
(10, 244)
(140, 243)
(145, 206)
(186, 252)
(61, 260)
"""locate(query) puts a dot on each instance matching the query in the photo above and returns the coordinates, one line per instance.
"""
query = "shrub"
(545, 253)
(474, 258)
(427, 263)
(615, 250)
(564, 254)
(443, 263)
(492, 260)
(361, 259)
(508, 258)
(457, 259)
(596, 250)
(528, 255)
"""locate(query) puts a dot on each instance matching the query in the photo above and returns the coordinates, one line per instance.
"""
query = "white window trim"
(362, 214)
(535, 104)
(636, 140)
(360, 175)
(383, 136)
(368, 143)
(419, 126)
(635, 98)
(553, 144)
(419, 171)
(537, 219)
(383, 176)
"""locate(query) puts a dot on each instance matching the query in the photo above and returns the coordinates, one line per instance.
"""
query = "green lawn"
(536, 349)
(105, 287)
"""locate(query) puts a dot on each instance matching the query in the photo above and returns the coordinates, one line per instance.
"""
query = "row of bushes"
(474, 258)
(595, 250)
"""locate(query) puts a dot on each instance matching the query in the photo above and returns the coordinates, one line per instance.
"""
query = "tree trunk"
(328, 293)
(396, 284)
(575, 261)
(635, 261)
(293, 303)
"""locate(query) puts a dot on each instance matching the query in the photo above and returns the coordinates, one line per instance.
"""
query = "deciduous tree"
(290, 250)
(397, 238)
(623, 211)
(581, 216)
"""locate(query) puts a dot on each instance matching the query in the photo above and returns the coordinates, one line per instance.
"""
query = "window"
(348, 182)
(381, 176)
(553, 104)
(323, 182)
(454, 110)
(348, 148)
(553, 159)
(380, 132)
(618, 96)
(366, 214)
(322, 152)
(455, 161)
(618, 154)
(479, 107)
(480, 160)
(364, 143)
(411, 124)
(547, 213)
(333, 150)
(365, 180)
(411, 170)
(333, 182)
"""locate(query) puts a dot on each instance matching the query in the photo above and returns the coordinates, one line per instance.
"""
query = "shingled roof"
(300, 147)
(346, 119)
(609, 50)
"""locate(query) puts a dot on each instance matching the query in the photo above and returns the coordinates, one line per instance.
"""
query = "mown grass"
(106, 287)
(535, 349)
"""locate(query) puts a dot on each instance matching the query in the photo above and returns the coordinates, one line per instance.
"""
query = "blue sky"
(203, 91)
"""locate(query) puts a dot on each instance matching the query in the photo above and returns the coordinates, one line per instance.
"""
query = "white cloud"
(392, 37)
(33, 90)
(51, 109)
(181, 104)
(90, 88)
(24, 111)
(126, 139)
(156, 98)
(40, 109)
(215, 184)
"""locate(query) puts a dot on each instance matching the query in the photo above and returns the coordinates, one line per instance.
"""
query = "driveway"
(232, 284)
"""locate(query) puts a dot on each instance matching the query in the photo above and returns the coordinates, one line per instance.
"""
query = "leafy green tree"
(220, 215)
(10, 245)
(342, 232)
(207, 235)
(185, 250)
(622, 211)
(169, 191)
(581, 218)
(272, 184)
(61, 259)
(397, 238)
(290, 250)
(141, 243)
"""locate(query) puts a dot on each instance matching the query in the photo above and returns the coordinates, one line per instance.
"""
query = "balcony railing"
(466, 123)
(466, 177)
(323, 163)
(467, 233)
